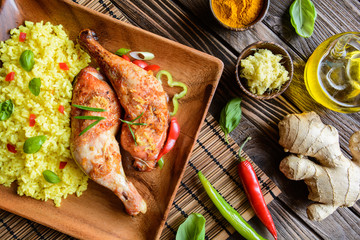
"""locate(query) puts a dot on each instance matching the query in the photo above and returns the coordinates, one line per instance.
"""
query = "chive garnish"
(88, 127)
(90, 117)
(129, 123)
(89, 108)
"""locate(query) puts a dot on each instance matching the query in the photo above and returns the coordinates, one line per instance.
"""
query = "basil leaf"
(122, 51)
(230, 116)
(33, 144)
(34, 86)
(27, 60)
(51, 177)
(303, 15)
(192, 229)
(6, 109)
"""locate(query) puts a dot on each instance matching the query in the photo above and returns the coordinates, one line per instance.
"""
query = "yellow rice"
(50, 45)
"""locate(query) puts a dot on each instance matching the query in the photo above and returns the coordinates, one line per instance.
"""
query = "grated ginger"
(264, 72)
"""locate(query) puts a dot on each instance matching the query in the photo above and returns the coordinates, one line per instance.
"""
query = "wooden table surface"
(190, 22)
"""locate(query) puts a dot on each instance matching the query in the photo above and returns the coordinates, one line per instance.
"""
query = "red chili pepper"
(253, 191)
(32, 120)
(140, 63)
(126, 58)
(22, 37)
(61, 109)
(63, 66)
(173, 134)
(11, 148)
(62, 165)
(10, 76)
(152, 67)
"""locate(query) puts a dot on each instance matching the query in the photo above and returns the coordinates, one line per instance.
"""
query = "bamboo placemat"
(211, 155)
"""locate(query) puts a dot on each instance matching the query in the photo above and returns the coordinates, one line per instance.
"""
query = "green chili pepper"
(172, 83)
(229, 213)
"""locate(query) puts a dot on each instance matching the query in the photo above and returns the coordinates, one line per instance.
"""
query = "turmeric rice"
(51, 46)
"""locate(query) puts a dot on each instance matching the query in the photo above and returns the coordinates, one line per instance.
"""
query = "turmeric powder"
(237, 13)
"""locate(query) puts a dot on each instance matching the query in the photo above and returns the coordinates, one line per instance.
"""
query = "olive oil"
(332, 73)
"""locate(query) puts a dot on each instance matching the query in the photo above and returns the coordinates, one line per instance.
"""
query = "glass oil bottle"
(332, 73)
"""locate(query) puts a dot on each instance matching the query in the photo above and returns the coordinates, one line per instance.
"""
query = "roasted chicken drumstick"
(139, 93)
(97, 151)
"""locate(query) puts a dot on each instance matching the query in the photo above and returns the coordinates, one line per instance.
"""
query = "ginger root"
(334, 181)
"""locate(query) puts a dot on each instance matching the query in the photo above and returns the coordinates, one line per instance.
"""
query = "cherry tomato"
(32, 120)
(126, 58)
(152, 67)
(63, 66)
(140, 63)
(61, 109)
(22, 37)
(11, 148)
(10, 76)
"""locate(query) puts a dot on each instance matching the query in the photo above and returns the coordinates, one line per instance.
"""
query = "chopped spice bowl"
(285, 61)
(239, 15)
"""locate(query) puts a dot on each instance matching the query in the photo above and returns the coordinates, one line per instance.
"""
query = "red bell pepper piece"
(32, 120)
(61, 109)
(152, 67)
(173, 134)
(11, 148)
(126, 58)
(62, 165)
(140, 63)
(22, 37)
(253, 191)
(10, 76)
(63, 66)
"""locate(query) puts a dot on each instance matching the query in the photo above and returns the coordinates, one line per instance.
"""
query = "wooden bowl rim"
(259, 18)
(249, 50)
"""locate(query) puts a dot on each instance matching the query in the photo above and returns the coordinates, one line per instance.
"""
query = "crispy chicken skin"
(138, 92)
(97, 151)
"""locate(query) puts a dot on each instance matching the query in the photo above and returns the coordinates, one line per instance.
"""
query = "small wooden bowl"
(260, 17)
(286, 61)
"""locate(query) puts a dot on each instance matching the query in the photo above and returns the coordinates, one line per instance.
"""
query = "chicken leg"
(139, 93)
(97, 151)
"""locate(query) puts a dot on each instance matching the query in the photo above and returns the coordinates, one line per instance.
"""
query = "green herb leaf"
(27, 61)
(33, 144)
(132, 123)
(230, 116)
(89, 108)
(138, 116)
(51, 177)
(34, 86)
(161, 163)
(122, 51)
(6, 109)
(90, 117)
(129, 123)
(88, 127)
(192, 229)
(132, 134)
(303, 15)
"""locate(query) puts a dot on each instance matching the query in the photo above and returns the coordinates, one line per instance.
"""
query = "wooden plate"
(98, 213)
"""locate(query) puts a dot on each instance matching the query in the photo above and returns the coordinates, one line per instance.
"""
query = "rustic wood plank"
(190, 23)
(333, 17)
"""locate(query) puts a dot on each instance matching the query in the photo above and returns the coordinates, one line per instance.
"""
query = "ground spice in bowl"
(239, 14)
